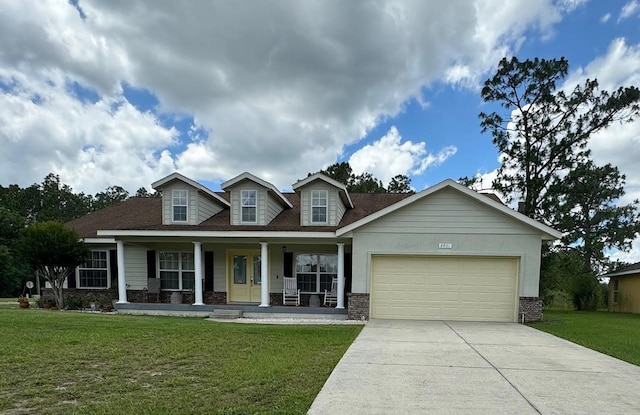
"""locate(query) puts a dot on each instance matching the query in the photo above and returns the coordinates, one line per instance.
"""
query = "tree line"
(50, 200)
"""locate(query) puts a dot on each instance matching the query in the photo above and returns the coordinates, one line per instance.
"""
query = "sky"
(124, 93)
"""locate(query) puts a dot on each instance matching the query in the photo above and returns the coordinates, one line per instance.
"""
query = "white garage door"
(444, 288)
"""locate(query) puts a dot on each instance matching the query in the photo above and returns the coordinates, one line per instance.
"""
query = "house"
(624, 289)
(446, 252)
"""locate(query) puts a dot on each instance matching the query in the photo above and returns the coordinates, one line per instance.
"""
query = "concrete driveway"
(417, 367)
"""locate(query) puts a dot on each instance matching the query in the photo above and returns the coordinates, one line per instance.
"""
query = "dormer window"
(179, 205)
(249, 206)
(319, 206)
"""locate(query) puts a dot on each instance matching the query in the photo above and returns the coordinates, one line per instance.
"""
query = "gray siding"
(450, 217)
(261, 214)
(274, 207)
(207, 208)
(135, 266)
(335, 207)
(167, 215)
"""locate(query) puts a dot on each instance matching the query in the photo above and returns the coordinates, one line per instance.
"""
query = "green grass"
(78, 363)
(615, 334)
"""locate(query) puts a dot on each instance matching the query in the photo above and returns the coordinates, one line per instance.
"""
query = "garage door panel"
(455, 288)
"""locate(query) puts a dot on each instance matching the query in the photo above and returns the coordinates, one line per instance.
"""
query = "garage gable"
(448, 211)
(450, 208)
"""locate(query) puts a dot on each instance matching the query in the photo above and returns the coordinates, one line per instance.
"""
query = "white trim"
(319, 176)
(248, 176)
(108, 269)
(621, 273)
(324, 194)
(174, 205)
(220, 234)
(99, 240)
(254, 206)
(177, 176)
(548, 233)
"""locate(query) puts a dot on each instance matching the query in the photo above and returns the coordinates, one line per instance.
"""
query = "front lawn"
(615, 334)
(67, 362)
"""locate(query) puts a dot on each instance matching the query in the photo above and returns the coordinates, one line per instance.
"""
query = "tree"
(547, 130)
(143, 192)
(111, 196)
(587, 213)
(54, 251)
(340, 172)
(399, 184)
(365, 182)
(12, 272)
(56, 201)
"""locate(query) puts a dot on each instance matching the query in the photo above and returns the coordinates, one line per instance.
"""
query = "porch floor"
(250, 311)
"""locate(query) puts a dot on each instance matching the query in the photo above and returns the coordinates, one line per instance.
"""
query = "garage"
(467, 288)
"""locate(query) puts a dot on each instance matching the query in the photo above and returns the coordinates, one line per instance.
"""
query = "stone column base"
(358, 308)
(530, 308)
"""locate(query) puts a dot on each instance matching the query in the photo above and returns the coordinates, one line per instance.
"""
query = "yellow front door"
(244, 276)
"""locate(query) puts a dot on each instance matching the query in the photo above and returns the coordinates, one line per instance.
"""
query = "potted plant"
(24, 302)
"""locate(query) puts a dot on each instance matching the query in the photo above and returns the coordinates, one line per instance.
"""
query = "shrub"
(586, 292)
(74, 303)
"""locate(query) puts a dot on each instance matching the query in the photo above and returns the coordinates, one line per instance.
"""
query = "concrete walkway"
(418, 367)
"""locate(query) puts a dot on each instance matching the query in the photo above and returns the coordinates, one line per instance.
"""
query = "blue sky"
(110, 93)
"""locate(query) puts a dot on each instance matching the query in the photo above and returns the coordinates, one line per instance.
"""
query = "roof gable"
(344, 194)
(248, 176)
(548, 233)
(158, 185)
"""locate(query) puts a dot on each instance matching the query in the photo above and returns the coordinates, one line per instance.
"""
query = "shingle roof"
(146, 214)
(630, 269)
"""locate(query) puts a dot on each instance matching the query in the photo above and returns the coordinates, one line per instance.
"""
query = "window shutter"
(347, 272)
(288, 264)
(113, 267)
(151, 264)
(208, 270)
(71, 281)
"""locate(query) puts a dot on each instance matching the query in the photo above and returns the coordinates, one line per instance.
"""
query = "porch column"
(340, 302)
(264, 275)
(197, 259)
(122, 281)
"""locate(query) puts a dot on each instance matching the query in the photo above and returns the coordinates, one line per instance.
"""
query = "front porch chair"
(331, 296)
(153, 287)
(290, 292)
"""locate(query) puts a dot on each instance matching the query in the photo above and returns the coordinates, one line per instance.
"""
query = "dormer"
(254, 201)
(323, 200)
(187, 202)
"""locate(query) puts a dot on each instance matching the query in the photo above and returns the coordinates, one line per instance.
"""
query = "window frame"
(180, 270)
(247, 206)
(106, 269)
(616, 291)
(174, 205)
(318, 272)
(322, 194)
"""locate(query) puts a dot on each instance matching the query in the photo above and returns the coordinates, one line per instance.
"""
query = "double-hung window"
(315, 271)
(179, 205)
(319, 206)
(95, 270)
(615, 291)
(177, 270)
(249, 206)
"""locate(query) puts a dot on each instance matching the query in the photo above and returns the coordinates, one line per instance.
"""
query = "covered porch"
(242, 273)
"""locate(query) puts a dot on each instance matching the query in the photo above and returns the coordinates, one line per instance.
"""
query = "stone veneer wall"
(531, 307)
(106, 297)
(358, 306)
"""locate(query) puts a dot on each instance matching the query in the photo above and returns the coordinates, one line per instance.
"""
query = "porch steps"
(226, 314)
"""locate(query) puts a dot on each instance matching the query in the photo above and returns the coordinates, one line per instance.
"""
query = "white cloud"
(605, 18)
(389, 156)
(629, 10)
